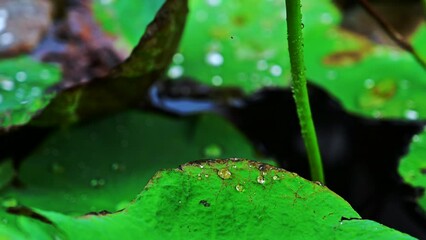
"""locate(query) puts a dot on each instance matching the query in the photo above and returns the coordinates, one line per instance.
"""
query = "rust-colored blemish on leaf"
(344, 58)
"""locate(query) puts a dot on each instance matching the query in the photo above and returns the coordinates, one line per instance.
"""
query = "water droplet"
(417, 138)
(106, 2)
(262, 65)
(261, 179)
(20, 93)
(318, 183)
(212, 151)
(57, 168)
(239, 188)
(178, 58)
(4, 14)
(175, 71)
(411, 114)
(276, 70)
(97, 182)
(6, 38)
(214, 59)
(21, 76)
(326, 18)
(214, 3)
(217, 80)
(275, 178)
(377, 114)
(201, 166)
(118, 167)
(35, 91)
(224, 173)
(369, 83)
(206, 175)
(303, 26)
(7, 85)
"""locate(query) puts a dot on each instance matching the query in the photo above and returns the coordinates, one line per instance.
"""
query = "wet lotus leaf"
(235, 43)
(127, 84)
(370, 80)
(125, 20)
(227, 43)
(24, 228)
(23, 85)
(227, 199)
(103, 165)
(412, 167)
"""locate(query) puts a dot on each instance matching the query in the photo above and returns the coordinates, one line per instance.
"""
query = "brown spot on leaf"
(344, 58)
(239, 20)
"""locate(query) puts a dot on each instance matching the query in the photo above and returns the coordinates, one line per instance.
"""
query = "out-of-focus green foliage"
(125, 20)
(412, 167)
(226, 43)
(23, 85)
(115, 159)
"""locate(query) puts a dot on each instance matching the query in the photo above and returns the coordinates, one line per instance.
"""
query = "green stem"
(300, 91)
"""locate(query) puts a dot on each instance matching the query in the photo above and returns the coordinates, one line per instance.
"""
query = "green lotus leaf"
(412, 167)
(228, 43)
(23, 89)
(227, 199)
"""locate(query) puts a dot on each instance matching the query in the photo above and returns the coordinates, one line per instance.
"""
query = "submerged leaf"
(412, 167)
(103, 165)
(128, 83)
(252, 200)
(23, 85)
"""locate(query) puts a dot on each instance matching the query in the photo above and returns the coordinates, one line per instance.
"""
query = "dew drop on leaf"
(212, 151)
(224, 173)
(214, 58)
(7, 84)
(411, 114)
(175, 71)
(97, 182)
(217, 80)
(57, 168)
(21, 76)
(239, 188)
(261, 179)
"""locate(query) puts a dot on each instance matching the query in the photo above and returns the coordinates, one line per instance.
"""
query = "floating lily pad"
(227, 199)
(412, 167)
(23, 85)
(125, 20)
(102, 166)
